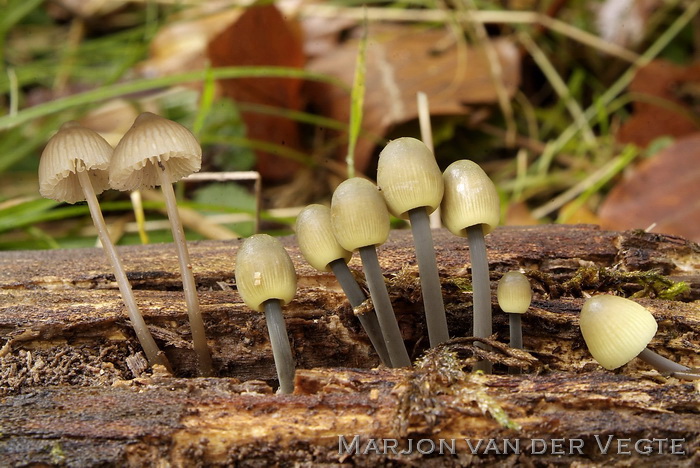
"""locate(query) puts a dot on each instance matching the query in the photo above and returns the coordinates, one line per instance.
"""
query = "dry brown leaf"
(664, 191)
(181, 46)
(673, 87)
(262, 37)
(402, 60)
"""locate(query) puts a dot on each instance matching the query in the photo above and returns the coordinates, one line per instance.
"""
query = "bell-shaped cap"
(615, 329)
(153, 144)
(264, 271)
(514, 293)
(359, 216)
(409, 177)
(317, 243)
(73, 148)
(470, 198)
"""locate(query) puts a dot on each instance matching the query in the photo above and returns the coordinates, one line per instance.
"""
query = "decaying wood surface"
(74, 389)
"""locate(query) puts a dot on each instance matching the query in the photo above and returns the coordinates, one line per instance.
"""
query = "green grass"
(568, 122)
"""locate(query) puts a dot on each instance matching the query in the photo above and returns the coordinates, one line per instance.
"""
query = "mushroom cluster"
(77, 164)
(410, 186)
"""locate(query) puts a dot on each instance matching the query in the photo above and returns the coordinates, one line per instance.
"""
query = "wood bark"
(75, 391)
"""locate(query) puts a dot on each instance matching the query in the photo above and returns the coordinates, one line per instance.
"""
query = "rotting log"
(75, 390)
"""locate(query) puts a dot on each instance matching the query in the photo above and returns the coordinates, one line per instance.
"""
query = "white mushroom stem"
(281, 350)
(153, 354)
(429, 278)
(199, 339)
(382, 304)
(481, 287)
(357, 297)
(666, 366)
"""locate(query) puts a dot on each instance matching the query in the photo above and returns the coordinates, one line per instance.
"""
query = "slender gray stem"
(382, 304)
(153, 354)
(516, 337)
(516, 331)
(666, 366)
(281, 350)
(482, 288)
(429, 278)
(199, 339)
(356, 297)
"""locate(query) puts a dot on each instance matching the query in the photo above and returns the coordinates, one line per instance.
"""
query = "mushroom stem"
(481, 287)
(199, 340)
(281, 350)
(666, 366)
(357, 297)
(516, 337)
(153, 354)
(382, 304)
(516, 331)
(429, 277)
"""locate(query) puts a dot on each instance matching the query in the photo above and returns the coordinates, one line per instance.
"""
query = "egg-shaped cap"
(264, 271)
(470, 198)
(616, 329)
(514, 293)
(150, 142)
(409, 177)
(73, 148)
(317, 243)
(359, 216)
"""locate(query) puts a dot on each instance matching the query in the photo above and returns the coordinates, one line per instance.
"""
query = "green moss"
(595, 280)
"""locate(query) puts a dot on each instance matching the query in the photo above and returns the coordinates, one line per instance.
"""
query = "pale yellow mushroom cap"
(264, 271)
(616, 329)
(73, 148)
(470, 198)
(359, 216)
(409, 177)
(317, 243)
(514, 293)
(152, 140)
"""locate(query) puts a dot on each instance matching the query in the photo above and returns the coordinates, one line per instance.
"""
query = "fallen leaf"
(402, 60)
(262, 37)
(672, 115)
(663, 191)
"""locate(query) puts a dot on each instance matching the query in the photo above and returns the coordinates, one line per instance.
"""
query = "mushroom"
(320, 248)
(514, 295)
(157, 151)
(360, 220)
(617, 330)
(73, 167)
(266, 280)
(412, 185)
(470, 207)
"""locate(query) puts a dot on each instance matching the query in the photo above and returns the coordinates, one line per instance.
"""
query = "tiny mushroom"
(157, 151)
(470, 207)
(412, 185)
(617, 330)
(266, 280)
(514, 296)
(360, 220)
(320, 248)
(73, 167)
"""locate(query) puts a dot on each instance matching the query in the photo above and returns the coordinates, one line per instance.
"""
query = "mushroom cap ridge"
(615, 329)
(409, 177)
(152, 141)
(73, 148)
(264, 271)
